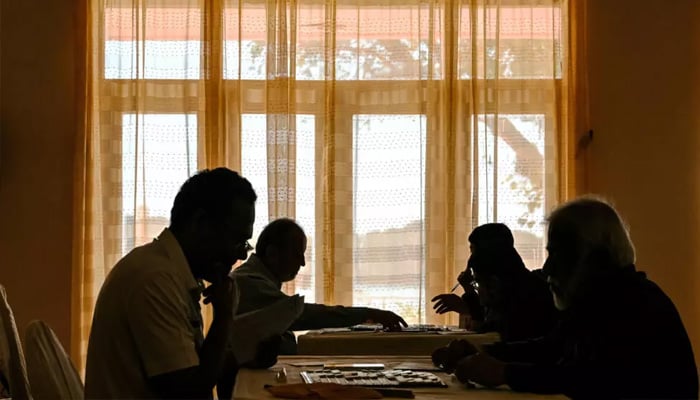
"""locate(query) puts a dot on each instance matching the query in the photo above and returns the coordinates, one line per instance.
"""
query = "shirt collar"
(259, 266)
(180, 264)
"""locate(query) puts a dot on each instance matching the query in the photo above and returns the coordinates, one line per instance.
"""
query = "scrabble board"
(385, 378)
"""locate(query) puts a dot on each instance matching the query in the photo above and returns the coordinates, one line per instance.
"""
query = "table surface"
(384, 343)
(250, 383)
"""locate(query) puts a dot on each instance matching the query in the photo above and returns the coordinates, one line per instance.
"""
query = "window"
(166, 46)
(158, 154)
(495, 75)
(389, 204)
(514, 43)
(384, 43)
(255, 167)
(245, 41)
(512, 180)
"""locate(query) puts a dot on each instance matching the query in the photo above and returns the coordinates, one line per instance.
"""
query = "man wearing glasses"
(278, 258)
(146, 339)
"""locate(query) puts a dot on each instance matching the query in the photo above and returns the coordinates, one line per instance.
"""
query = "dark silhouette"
(619, 337)
(278, 258)
(501, 294)
(147, 339)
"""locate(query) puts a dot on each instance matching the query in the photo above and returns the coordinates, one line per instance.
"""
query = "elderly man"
(620, 336)
(279, 255)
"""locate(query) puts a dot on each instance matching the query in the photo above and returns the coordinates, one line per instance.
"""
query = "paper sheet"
(256, 326)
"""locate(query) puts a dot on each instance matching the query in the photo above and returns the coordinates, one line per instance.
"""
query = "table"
(250, 383)
(384, 343)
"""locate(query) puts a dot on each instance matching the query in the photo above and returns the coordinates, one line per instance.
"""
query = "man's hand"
(266, 355)
(481, 368)
(223, 296)
(449, 302)
(465, 279)
(390, 320)
(448, 357)
(197, 382)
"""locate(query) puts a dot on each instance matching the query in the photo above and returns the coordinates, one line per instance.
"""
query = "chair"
(51, 372)
(12, 363)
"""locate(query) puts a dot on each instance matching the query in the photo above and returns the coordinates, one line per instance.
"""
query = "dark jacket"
(626, 341)
(527, 311)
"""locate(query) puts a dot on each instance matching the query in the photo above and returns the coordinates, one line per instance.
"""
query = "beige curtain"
(388, 129)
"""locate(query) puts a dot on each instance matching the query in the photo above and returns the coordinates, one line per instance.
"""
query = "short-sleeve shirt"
(147, 322)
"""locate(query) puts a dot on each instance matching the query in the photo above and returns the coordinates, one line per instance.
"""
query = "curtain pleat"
(388, 129)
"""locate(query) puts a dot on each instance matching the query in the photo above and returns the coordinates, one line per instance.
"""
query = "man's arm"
(198, 382)
(584, 381)
(266, 357)
(227, 381)
(536, 351)
(257, 293)
(615, 368)
(577, 381)
(164, 333)
(319, 316)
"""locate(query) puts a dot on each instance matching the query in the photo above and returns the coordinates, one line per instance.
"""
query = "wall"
(645, 111)
(37, 118)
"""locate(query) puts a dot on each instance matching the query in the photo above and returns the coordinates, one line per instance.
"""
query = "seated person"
(278, 257)
(500, 293)
(146, 339)
(620, 336)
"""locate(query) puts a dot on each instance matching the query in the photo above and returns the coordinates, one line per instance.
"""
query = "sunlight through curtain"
(388, 129)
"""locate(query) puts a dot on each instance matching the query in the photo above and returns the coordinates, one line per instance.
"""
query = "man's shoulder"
(649, 294)
(140, 266)
(152, 251)
(629, 303)
(149, 257)
(251, 270)
(257, 288)
(244, 269)
(534, 286)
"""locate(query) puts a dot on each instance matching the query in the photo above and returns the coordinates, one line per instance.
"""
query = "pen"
(455, 287)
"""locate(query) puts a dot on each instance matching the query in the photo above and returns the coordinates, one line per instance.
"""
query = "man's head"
(212, 218)
(281, 246)
(586, 240)
(494, 262)
(491, 237)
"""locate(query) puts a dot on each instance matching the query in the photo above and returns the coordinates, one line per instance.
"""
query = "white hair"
(595, 226)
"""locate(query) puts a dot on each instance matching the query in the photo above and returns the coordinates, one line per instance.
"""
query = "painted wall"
(645, 111)
(37, 121)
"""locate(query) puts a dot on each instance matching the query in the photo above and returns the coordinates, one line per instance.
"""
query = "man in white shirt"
(146, 339)
(279, 255)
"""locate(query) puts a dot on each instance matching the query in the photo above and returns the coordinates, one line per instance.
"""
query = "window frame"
(233, 88)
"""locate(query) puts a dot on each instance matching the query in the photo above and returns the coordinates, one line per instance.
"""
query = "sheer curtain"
(388, 129)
